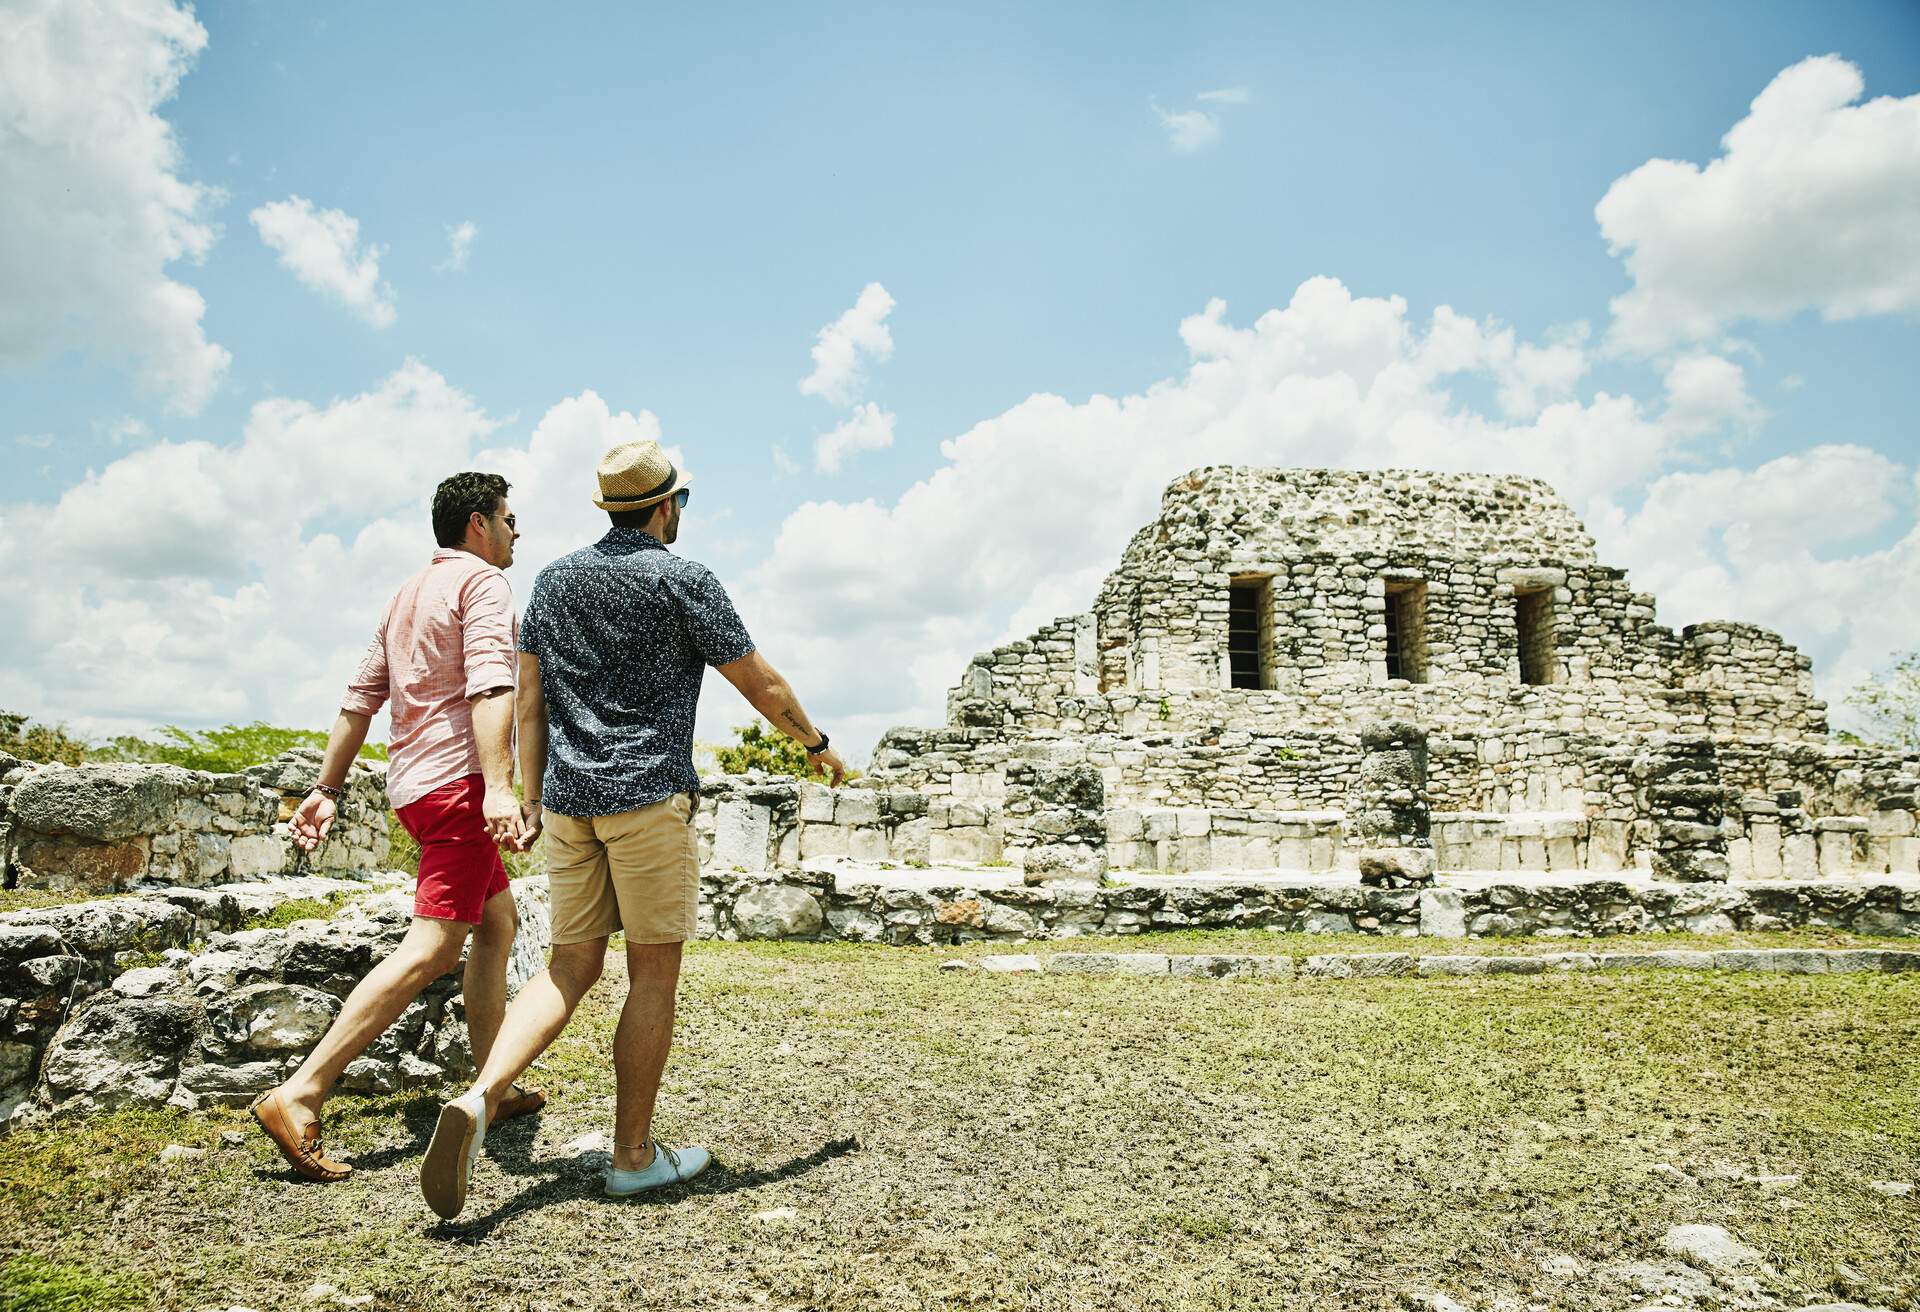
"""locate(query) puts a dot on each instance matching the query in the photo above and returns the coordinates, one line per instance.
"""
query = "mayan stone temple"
(1292, 667)
(1305, 693)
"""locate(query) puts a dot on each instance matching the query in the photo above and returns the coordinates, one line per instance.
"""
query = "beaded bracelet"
(327, 790)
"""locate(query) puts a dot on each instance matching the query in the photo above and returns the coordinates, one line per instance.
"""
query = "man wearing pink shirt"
(443, 661)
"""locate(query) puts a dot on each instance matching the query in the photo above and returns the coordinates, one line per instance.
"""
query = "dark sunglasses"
(681, 497)
(509, 520)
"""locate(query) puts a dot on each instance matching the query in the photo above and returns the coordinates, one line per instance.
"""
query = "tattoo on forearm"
(790, 717)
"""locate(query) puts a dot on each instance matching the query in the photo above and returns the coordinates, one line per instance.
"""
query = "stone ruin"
(1307, 700)
(1391, 702)
(164, 981)
(1291, 667)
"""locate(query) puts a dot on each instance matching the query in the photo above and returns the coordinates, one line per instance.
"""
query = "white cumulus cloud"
(843, 349)
(1708, 392)
(460, 239)
(1188, 130)
(1226, 96)
(193, 582)
(322, 249)
(1028, 509)
(93, 207)
(1814, 204)
(868, 428)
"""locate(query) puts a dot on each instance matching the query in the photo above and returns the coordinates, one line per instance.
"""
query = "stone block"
(856, 807)
(957, 846)
(1227, 966)
(257, 856)
(1443, 913)
(1798, 859)
(107, 803)
(816, 803)
(78, 864)
(824, 840)
(1666, 959)
(272, 1018)
(742, 833)
(1011, 963)
(1357, 965)
(868, 843)
(769, 911)
(1194, 823)
(1125, 826)
(1784, 961)
(1108, 963)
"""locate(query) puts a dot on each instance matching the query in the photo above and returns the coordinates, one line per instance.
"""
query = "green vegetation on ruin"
(964, 1140)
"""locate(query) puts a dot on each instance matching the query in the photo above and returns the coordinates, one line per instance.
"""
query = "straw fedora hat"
(635, 475)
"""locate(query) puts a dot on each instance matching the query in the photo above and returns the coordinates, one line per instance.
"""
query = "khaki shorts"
(637, 871)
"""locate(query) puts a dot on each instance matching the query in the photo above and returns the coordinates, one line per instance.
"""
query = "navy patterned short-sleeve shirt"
(624, 630)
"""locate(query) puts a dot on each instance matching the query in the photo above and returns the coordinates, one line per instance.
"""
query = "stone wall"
(872, 908)
(168, 999)
(105, 828)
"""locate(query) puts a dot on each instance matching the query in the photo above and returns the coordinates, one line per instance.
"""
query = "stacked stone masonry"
(1548, 696)
(105, 828)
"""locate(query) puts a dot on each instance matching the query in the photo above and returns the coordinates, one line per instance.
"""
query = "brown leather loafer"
(520, 1102)
(301, 1148)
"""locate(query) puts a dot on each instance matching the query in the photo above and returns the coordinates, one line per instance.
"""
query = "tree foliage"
(222, 751)
(1890, 704)
(761, 748)
(39, 742)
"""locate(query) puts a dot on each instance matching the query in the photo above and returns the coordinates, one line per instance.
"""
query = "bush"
(1890, 703)
(760, 748)
(224, 750)
(40, 742)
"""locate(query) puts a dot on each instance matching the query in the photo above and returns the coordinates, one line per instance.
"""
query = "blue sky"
(671, 204)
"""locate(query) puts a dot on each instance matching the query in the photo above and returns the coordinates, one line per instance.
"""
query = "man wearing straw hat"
(616, 639)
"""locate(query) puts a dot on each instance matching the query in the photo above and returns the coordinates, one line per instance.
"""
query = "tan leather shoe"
(301, 1147)
(522, 1101)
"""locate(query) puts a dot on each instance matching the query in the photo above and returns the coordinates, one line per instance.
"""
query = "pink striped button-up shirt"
(448, 636)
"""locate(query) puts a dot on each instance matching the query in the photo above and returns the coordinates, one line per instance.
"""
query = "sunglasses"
(681, 497)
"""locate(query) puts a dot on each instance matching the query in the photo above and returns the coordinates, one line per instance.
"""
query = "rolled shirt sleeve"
(487, 633)
(712, 623)
(367, 691)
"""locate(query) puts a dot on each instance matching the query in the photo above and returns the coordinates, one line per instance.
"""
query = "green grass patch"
(1040, 1143)
(300, 908)
(33, 1284)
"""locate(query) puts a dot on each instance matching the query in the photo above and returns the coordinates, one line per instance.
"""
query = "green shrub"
(760, 748)
(225, 750)
(39, 742)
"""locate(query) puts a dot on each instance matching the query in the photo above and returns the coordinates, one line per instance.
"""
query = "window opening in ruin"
(1533, 615)
(1406, 618)
(1249, 631)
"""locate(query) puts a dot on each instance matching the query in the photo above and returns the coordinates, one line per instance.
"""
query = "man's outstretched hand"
(828, 763)
(312, 820)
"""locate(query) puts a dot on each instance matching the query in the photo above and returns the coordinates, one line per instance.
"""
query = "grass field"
(964, 1140)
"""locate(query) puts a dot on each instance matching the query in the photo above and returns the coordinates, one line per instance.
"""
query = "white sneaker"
(448, 1165)
(669, 1166)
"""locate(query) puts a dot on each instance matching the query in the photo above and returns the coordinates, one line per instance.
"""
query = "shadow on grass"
(579, 1177)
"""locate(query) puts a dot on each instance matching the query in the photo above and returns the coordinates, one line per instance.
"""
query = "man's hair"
(458, 498)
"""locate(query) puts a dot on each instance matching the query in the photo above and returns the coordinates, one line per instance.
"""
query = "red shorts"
(460, 867)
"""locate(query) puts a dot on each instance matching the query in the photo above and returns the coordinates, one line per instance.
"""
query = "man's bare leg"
(483, 985)
(640, 1048)
(430, 949)
(539, 1013)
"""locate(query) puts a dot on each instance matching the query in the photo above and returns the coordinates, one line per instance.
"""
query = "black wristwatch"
(815, 751)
